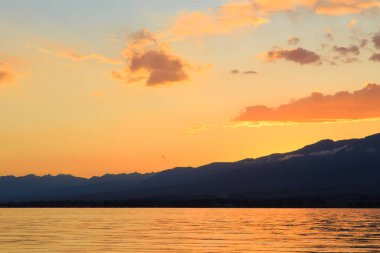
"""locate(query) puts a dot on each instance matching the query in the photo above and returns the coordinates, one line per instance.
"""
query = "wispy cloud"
(74, 55)
(360, 104)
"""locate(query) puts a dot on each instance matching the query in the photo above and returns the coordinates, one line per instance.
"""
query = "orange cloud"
(342, 106)
(251, 13)
(148, 59)
(271, 6)
(6, 73)
(73, 55)
(5, 76)
(352, 24)
(345, 7)
(298, 55)
(218, 21)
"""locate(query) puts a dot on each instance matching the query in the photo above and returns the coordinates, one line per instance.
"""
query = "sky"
(90, 87)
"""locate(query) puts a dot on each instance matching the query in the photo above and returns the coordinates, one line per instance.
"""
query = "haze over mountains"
(344, 171)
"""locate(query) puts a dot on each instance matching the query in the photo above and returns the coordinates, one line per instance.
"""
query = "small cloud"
(329, 34)
(197, 129)
(5, 76)
(347, 54)
(6, 73)
(298, 55)
(376, 40)
(293, 41)
(150, 60)
(352, 24)
(318, 108)
(247, 72)
(354, 50)
(375, 57)
(97, 93)
(363, 43)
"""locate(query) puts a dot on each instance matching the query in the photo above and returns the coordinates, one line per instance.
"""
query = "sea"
(265, 230)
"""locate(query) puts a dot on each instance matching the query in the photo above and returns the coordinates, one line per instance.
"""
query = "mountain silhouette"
(331, 173)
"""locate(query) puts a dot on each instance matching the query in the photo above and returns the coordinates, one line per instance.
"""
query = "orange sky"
(95, 87)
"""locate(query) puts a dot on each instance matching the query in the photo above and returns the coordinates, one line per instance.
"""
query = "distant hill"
(326, 173)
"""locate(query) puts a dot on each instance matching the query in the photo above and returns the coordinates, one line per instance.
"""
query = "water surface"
(189, 230)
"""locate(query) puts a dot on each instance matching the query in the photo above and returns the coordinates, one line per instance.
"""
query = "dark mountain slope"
(347, 169)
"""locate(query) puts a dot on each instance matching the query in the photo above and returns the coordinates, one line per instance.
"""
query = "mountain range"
(328, 173)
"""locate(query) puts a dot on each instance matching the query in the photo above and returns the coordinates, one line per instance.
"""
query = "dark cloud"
(375, 57)
(162, 67)
(363, 43)
(150, 60)
(376, 40)
(352, 50)
(347, 54)
(361, 104)
(298, 55)
(247, 72)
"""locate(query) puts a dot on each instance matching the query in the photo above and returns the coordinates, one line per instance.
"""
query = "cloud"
(298, 55)
(74, 55)
(363, 43)
(375, 57)
(376, 40)
(247, 72)
(329, 34)
(221, 20)
(198, 129)
(352, 50)
(347, 54)
(150, 60)
(342, 106)
(344, 7)
(6, 73)
(5, 76)
(252, 13)
(352, 24)
(293, 41)
(332, 54)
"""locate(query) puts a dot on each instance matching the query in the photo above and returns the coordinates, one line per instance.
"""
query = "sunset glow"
(93, 87)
